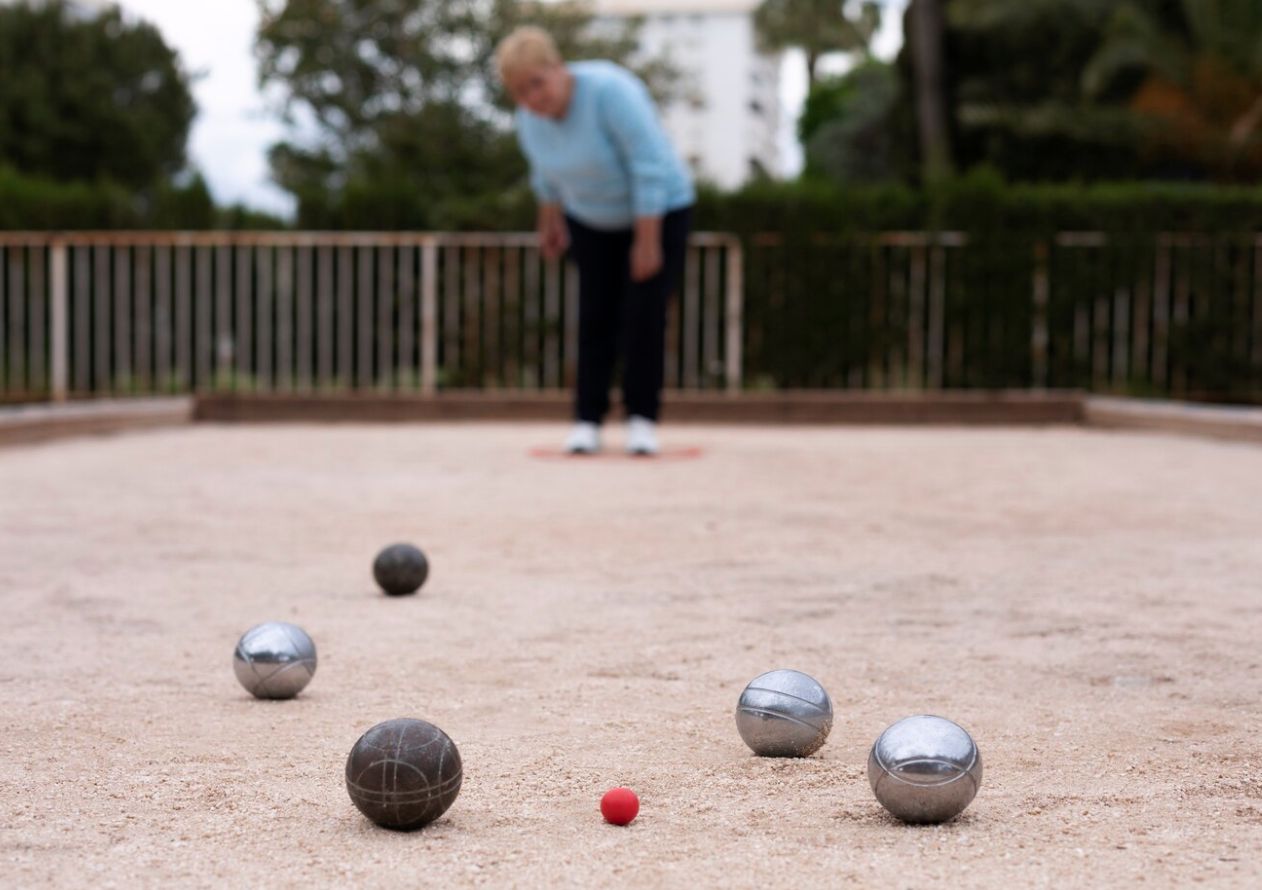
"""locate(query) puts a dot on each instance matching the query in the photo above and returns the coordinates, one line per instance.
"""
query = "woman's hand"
(646, 249)
(553, 238)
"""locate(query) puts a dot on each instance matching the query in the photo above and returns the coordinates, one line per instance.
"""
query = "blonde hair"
(525, 48)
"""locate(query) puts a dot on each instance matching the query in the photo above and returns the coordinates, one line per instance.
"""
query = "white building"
(726, 118)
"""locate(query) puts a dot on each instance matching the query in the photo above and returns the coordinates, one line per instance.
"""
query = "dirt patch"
(1087, 604)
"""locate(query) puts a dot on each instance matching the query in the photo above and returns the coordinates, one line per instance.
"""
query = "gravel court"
(1086, 604)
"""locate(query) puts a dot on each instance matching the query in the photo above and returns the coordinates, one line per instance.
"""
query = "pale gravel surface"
(1088, 604)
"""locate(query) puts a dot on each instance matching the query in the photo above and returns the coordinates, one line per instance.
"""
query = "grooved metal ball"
(400, 569)
(925, 769)
(784, 714)
(274, 660)
(404, 774)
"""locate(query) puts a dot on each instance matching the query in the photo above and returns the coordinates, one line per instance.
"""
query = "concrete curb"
(1233, 423)
(26, 424)
(800, 407)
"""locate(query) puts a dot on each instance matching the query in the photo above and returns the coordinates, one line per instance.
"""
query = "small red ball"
(619, 806)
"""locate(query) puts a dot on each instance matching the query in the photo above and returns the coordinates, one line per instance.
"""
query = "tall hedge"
(1156, 290)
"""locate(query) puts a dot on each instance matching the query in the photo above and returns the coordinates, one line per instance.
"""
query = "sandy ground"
(1088, 605)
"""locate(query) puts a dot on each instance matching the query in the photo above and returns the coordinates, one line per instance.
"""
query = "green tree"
(848, 128)
(816, 27)
(1200, 94)
(1011, 84)
(90, 97)
(400, 100)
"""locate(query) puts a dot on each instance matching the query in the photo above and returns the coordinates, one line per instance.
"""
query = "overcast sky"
(234, 127)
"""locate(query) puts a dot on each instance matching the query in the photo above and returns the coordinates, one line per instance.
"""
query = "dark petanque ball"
(404, 774)
(400, 569)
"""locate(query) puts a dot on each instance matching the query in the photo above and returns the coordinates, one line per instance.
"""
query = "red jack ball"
(619, 806)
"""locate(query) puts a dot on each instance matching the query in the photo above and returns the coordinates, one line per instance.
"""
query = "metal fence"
(1172, 314)
(87, 314)
(138, 313)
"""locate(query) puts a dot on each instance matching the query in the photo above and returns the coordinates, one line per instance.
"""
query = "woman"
(613, 191)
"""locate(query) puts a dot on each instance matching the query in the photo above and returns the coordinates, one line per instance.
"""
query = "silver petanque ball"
(784, 714)
(274, 660)
(925, 769)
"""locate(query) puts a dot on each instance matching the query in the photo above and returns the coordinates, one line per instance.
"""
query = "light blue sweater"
(609, 160)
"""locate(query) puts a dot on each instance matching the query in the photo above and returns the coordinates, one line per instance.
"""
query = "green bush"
(1129, 310)
(31, 203)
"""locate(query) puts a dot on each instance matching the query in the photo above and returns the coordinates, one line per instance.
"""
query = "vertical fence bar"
(1180, 313)
(1240, 305)
(1141, 368)
(451, 315)
(162, 319)
(429, 317)
(1121, 336)
(1257, 305)
(691, 322)
(916, 298)
(225, 348)
(711, 320)
(142, 258)
(184, 316)
(59, 335)
(37, 321)
(405, 367)
(1038, 328)
(101, 378)
(285, 318)
(81, 369)
(735, 347)
(1161, 313)
(385, 318)
(345, 317)
(531, 314)
(511, 328)
(406, 370)
(474, 364)
(305, 325)
(876, 318)
(896, 316)
(1100, 342)
(18, 259)
(264, 324)
(246, 378)
(551, 324)
(491, 318)
(203, 335)
(936, 326)
(364, 303)
(324, 318)
(123, 364)
(5, 254)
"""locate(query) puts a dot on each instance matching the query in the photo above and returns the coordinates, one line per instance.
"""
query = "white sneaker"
(641, 436)
(584, 438)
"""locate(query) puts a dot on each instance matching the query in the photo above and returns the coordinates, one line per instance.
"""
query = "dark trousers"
(619, 316)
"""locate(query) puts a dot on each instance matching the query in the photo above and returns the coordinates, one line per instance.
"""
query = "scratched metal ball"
(784, 714)
(404, 774)
(400, 569)
(274, 660)
(925, 769)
